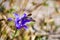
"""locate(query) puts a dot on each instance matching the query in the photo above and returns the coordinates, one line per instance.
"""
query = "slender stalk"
(14, 34)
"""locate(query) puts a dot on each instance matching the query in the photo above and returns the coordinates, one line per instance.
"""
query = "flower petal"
(9, 19)
(16, 15)
(18, 26)
(25, 15)
(25, 27)
(28, 20)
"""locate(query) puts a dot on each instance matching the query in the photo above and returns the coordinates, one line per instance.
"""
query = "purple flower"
(9, 19)
(20, 22)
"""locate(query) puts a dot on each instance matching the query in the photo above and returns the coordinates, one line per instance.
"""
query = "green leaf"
(14, 34)
(10, 11)
(11, 15)
(11, 23)
(38, 38)
(2, 8)
(45, 4)
(17, 33)
(4, 32)
(31, 23)
(56, 9)
(33, 3)
(45, 23)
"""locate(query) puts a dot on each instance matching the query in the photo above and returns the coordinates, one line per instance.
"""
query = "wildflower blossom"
(20, 22)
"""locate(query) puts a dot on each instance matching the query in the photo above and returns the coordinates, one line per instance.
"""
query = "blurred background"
(46, 14)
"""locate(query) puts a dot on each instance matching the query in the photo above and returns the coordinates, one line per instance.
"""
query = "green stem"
(14, 34)
(56, 9)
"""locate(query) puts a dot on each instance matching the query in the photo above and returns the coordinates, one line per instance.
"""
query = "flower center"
(19, 22)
